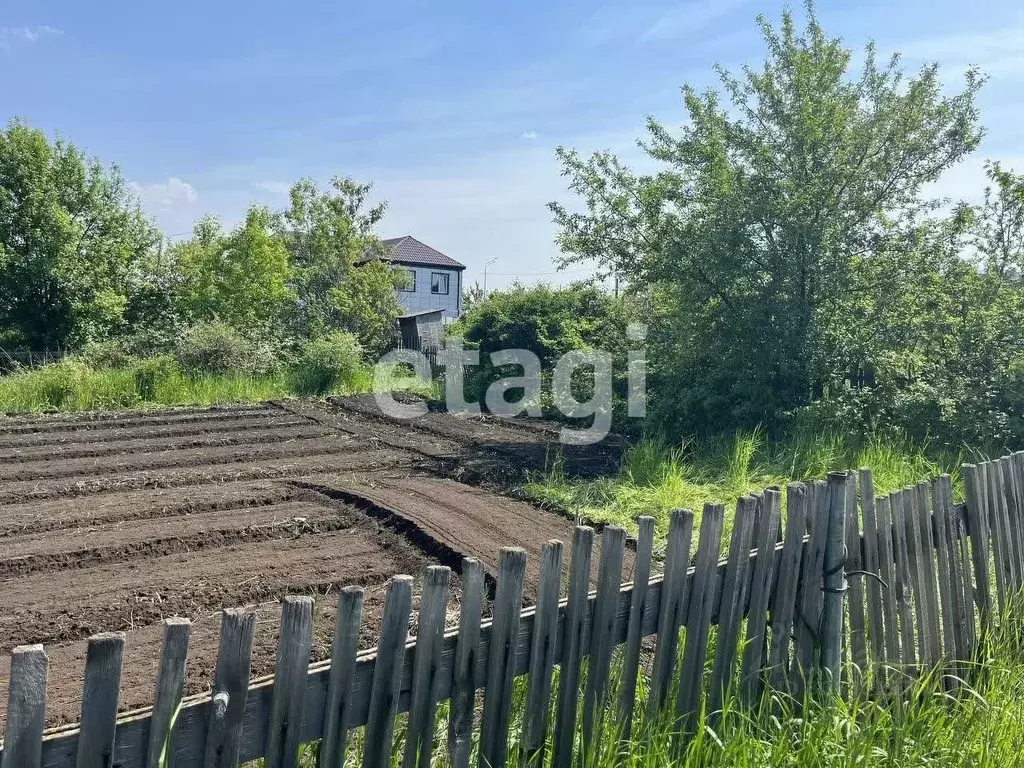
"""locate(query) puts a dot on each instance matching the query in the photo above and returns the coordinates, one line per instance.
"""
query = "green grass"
(923, 726)
(655, 477)
(73, 386)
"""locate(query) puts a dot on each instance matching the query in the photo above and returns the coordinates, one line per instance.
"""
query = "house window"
(439, 283)
(410, 284)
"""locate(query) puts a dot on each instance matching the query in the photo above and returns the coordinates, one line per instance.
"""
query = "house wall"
(422, 298)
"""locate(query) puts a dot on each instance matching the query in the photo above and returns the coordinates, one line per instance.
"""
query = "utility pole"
(488, 263)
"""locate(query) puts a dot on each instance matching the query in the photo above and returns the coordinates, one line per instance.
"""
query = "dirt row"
(114, 522)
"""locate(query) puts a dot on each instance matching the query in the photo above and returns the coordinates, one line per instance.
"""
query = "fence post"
(834, 582)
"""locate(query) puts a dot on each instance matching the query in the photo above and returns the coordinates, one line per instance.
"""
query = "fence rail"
(895, 584)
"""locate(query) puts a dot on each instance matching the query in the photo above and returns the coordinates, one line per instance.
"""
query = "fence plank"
(1013, 528)
(808, 617)
(786, 589)
(977, 521)
(170, 688)
(26, 708)
(634, 635)
(230, 686)
(508, 603)
(344, 648)
(760, 589)
(387, 673)
(928, 541)
(947, 606)
(946, 522)
(463, 691)
(958, 522)
(290, 672)
(1017, 464)
(670, 617)
(100, 693)
(834, 581)
(890, 592)
(855, 562)
(542, 655)
(609, 582)
(872, 565)
(997, 518)
(904, 602)
(698, 619)
(573, 642)
(907, 503)
(419, 732)
(734, 593)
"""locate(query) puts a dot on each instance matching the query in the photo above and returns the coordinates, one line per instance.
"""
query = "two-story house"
(435, 280)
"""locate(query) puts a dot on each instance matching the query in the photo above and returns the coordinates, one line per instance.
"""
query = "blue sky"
(452, 109)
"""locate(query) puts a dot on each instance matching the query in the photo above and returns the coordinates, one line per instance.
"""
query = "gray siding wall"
(422, 298)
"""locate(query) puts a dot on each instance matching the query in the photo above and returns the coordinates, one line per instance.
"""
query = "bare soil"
(113, 522)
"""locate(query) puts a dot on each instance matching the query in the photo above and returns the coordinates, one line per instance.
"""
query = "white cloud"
(173, 203)
(10, 35)
(998, 51)
(529, 135)
(166, 194)
(275, 188)
(689, 18)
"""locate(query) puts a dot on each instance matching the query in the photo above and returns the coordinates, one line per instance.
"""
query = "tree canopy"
(70, 234)
(787, 242)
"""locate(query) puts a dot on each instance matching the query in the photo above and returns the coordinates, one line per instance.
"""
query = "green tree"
(241, 278)
(70, 233)
(327, 232)
(365, 304)
(765, 214)
(472, 296)
(1000, 231)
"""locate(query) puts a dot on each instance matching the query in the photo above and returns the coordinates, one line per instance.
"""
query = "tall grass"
(922, 726)
(656, 477)
(74, 386)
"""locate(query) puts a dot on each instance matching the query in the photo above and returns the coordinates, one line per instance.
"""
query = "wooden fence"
(896, 584)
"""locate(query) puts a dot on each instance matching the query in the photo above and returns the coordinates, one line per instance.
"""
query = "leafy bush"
(548, 321)
(148, 374)
(216, 347)
(322, 365)
(112, 353)
(60, 383)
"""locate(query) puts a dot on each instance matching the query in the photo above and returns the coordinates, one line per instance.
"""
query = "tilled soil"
(113, 522)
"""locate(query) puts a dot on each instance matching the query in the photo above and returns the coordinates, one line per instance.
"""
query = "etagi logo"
(592, 366)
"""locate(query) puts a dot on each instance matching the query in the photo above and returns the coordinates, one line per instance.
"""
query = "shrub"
(148, 373)
(216, 347)
(324, 364)
(59, 383)
(112, 353)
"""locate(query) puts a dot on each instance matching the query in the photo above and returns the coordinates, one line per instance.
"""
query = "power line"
(549, 272)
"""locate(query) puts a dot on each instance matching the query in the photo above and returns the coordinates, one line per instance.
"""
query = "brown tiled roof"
(409, 250)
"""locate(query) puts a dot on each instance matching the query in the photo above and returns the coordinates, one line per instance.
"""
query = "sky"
(452, 110)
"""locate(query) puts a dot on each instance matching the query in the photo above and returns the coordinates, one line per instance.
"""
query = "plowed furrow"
(40, 607)
(118, 542)
(231, 454)
(101, 421)
(260, 421)
(82, 485)
(146, 504)
(151, 445)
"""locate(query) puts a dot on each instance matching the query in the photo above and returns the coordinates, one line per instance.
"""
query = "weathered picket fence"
(897, 585)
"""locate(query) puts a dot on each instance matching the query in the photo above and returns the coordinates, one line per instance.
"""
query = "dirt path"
(458, 519)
